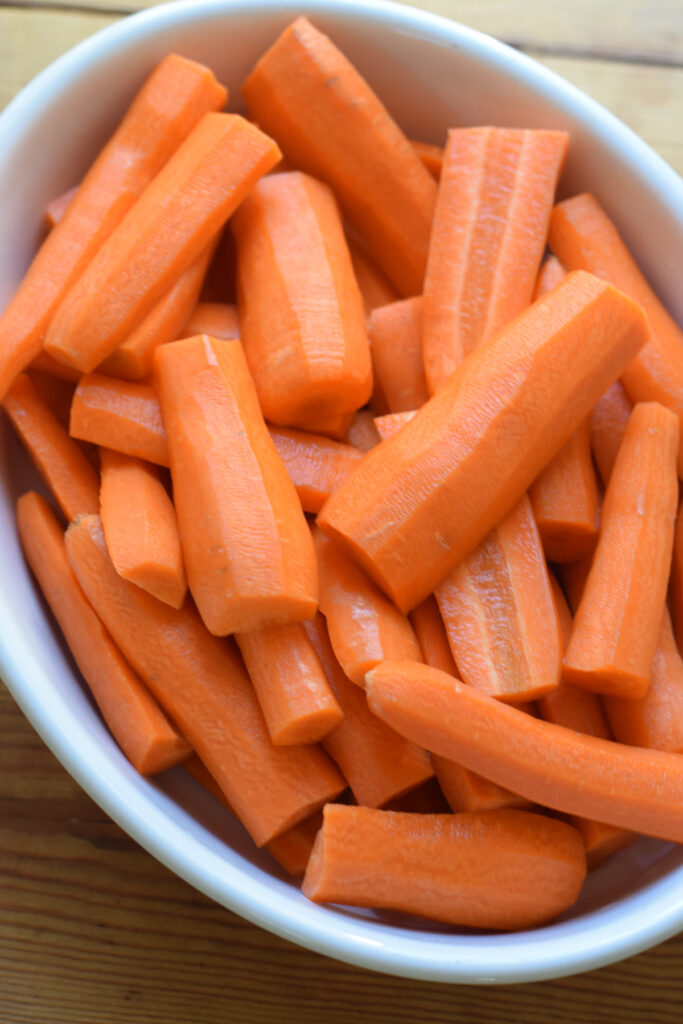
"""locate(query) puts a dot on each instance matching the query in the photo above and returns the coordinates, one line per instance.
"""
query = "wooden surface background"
(92, 929)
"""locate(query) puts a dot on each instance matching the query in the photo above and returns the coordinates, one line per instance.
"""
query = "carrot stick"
(379, 765)
(46, 364)
(56, 208)
(365, 628)
(362, 432)
(424, 799)
(201, 683)
(136, 721)
(430, 155)
(251, 563)
(551, 273)
(676, 579)
(140, 527)
(172, 100)
(499, 613)
(583, 237)
(467, 791)
(395, 334)
(297, 702)
(495, 869)
(56, 392)
(617, 623)
(122, 415)
(464, 461)
(173, 221)
(329, 122)
(431, 635)
(218, 319)
(390, 424)
(335, 427)
(495, 197)
(57, 457)
(316, 465)
(375, 288)
(556, 767)
(608, 419)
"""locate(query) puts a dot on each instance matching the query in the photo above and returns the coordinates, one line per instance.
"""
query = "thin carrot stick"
(431, 635)
(316, 465)
(122, 415)
(608, 420)
(467, 791)
(430, 155)
(551, 273)
(217, 319)
(395, 334)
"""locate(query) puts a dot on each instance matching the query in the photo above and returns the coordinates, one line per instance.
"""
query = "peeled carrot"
(395, 334)
(140, 527)
(136, 721)
(424, 799)
(495, 869)
(218, 319)
(467, 791)
(170, 103)
(201, 683)
(608, 420)
(249, 556)
(122, 415)
(375, 288)
(556, 767)
(430, 155)
(297, 702)
(46, 364)
(676, 579)
(617, 622)
(431, 635)
(335, 427)
(173, 221)
(390, 424)
(583, 237)
(496, 194)
(362, 432)
(316, 464)
(57, 207)
(57, 457)
(551, 273)
(56, 392)
(379, 765)
(329, 122)
(422, 500)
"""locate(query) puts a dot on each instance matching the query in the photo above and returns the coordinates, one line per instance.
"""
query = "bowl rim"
(142, 812)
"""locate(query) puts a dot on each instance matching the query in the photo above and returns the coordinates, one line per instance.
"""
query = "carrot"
(608, 419)
(250, 560)
(617, 623)
(583, 237)
(463, 461)
(424, 799)
(676, 578)
(173, 221)
(297, 702)
(335, 427)
(201, 683)
(431, 635)
(57, 457)
(551, 273)
(140, 527)
(495, 869)
(57, 207)
(136, 721)
(316, 464)
(328, 122)
(46, 364)
(56, 392)
(499, 613)
(375, 288)
(362, 432)
(301, 312)
(379, 765)
(122, 415)
(395, 334)
(365, 628)
(219, 319)
(496, 194)
(172, 100)
(467, 791)
(430, 155)
(390, 424)
(556, 767)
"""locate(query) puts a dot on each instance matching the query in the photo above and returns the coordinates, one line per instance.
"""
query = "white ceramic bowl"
(432, 74)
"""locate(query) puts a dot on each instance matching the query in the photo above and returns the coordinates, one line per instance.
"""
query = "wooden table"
(92, 929)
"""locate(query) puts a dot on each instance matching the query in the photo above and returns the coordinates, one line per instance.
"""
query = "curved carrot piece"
(496, 869)
(362, 432)
(170, 103)
(551, 273)
(608, 419)
(430, 155)
(617, 622)
(395, 334)
(119, 414)
(316, 464)
(431, 635)
(329, 122)
(57, 207)
(136, 721)
(59, 460)
(626, 786)
(464, 461)
(375, 288)
(218, 319)
(251, 562)
(140, 527)
(201, 683)
(179, 213)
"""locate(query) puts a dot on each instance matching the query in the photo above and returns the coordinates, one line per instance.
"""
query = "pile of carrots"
(361, 460)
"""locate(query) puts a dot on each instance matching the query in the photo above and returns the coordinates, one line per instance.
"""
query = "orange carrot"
(317, 465)
(421, 501)
(676, 580)
(365, 628)
(495, 869)
(329, 123)
(551, 273)
(297, 702)
(617, 623)
(250, 560)
(136, 721)
(608, 420)
(430, 155)
(390, 424)
(395, 334)
(424, 799)
(583, 237)
(335, 427)
(172, 100)
(118, 414)
(431, 635)
(46, 364)
(556, 767)
(178, 214)
(301, 312)
(200, 682)
(140, 527)
(375, 289)
(495, 198)
(56, 392)
(362, 432)
(57, 457)
(378, 764)
(218, 319)
(467, 791)
(57, 207)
